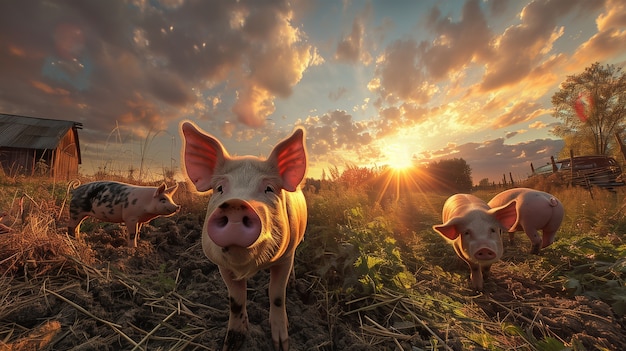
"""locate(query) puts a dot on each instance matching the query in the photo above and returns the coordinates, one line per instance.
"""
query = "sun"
(398, 157)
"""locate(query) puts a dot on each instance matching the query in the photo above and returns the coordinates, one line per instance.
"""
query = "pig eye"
(269, 189)
(219, 189)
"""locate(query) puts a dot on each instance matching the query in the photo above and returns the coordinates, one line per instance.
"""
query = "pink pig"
(120, 202)
(474, 231)
(255, 219)
(535, 210)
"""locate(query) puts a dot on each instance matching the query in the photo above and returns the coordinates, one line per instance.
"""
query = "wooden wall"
(60, 163)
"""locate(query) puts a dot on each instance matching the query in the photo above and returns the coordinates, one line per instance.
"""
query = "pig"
(256, 217)
(474, 230)
(120, 202)
(536, 210)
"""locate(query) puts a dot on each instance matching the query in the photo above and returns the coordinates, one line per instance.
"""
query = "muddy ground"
(165, 295)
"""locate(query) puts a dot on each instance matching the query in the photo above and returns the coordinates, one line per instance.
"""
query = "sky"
(373, 83)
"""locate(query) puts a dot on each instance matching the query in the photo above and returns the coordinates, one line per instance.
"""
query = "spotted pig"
(120, 202)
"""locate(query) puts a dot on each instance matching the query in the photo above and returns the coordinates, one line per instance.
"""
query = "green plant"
(378, 261)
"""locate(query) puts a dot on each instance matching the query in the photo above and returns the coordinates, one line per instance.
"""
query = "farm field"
(370, 275)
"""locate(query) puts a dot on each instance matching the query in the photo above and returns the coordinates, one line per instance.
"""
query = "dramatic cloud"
(362, 77)
(109, 53)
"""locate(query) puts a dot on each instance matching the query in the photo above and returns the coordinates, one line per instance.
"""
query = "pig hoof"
(234, 340)
(281, 345)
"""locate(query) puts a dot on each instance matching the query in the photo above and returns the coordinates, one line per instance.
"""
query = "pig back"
(104, 200)
(460, 204)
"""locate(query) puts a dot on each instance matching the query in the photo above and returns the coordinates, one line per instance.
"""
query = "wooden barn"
(39, 147)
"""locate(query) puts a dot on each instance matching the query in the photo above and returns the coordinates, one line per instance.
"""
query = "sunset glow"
(399, 157)
(372, 83)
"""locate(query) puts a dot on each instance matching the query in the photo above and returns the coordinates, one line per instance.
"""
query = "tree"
(451, 175)
(592, 106)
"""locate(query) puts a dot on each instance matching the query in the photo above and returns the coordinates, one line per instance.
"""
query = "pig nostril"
(247, 222)
(221, 221)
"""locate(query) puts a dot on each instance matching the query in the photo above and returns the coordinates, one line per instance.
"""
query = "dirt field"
(59, 294)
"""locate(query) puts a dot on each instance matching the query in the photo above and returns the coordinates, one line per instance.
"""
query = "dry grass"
(43, 270)
(40, 265)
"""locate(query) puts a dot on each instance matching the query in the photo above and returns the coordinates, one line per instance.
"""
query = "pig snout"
(485, 254)
(234, 222)
(173, 209)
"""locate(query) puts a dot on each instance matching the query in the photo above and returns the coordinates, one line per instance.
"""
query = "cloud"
(336, 131)
(114, 58)
(253, 105)
(398, 75)
(537, 125)
(611, 35)
(457, 44)
(351, 48)
(522, 46)
(494, 157)
(518, 113)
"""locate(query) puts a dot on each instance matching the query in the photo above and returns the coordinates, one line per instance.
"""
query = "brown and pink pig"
(536, 210)
(256, 217)
(474, 230)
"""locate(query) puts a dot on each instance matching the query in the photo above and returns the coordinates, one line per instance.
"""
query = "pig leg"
(279, 276)
(132, 226)
(486, 270)
(535, 239)
(238, 319)
(476, 276)
(73, 227)
(548, 237)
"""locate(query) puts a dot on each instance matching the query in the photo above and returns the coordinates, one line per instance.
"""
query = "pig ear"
(202, 154)
(448, 229)
(290, 158)
(171, 190)
(507, 214)
(159, 190)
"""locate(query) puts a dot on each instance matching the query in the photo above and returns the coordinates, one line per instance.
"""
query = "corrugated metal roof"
(31, 132)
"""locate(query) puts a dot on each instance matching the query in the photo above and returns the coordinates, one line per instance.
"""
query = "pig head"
(256, 217)
(474, 230)
(536, 210)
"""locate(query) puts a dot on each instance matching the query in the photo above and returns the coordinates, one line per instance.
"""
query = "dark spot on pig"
(225, 249)
(278, 302)
(134, 201)
(235, 308)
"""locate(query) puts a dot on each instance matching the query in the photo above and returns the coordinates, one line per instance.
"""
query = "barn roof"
(33, 133)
